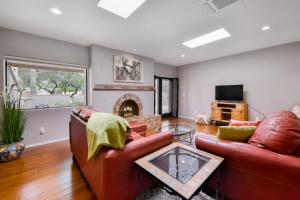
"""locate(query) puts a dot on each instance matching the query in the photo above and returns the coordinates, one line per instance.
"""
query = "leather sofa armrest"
(118, 165)
(284, 169)
(134, 150)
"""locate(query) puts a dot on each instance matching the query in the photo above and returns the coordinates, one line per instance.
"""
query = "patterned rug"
(159, 193)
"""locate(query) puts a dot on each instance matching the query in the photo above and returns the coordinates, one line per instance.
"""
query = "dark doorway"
(166, 96)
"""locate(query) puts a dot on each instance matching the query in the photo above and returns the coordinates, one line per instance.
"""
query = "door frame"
(160, 78)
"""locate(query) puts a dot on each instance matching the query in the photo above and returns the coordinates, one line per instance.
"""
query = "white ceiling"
(158, 27)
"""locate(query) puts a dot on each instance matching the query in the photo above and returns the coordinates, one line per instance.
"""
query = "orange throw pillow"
(233, 122)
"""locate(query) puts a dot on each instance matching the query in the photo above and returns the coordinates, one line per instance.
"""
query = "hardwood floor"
(48, 172)
(44, 172)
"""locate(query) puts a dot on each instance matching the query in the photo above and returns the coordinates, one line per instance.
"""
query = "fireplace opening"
(128, 105)
(128, 108)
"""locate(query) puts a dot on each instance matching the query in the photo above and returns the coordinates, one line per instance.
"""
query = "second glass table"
(181, 132)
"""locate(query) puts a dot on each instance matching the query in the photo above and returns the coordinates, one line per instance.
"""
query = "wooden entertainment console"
(224, 111)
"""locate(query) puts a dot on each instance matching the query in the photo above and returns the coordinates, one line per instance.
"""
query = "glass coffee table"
(181, 168)
(181, 132)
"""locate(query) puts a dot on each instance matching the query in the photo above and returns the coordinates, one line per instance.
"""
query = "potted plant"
(12, 121)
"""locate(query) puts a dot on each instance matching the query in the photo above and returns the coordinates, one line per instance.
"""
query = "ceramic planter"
(9, 152)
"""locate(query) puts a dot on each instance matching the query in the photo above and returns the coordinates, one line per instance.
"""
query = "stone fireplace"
(130, 107)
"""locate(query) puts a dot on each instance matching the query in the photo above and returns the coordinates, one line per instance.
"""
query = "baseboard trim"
(186, 117)
(46, 142)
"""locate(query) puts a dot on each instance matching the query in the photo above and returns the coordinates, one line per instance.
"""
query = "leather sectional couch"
(112, 174)
(267, 167)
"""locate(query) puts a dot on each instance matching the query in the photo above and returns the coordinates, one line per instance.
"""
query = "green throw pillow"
(236, 133)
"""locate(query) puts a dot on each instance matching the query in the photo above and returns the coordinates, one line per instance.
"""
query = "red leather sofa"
(112, 174)
(250, 172)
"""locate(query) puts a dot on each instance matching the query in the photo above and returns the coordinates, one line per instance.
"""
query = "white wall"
(101, 62)
(271, 79)
(165, 70)
(55, 121)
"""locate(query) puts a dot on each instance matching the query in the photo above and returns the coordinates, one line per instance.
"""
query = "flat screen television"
(229, 93)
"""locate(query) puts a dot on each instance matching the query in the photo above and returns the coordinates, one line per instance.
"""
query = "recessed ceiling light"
(182, 55)
(207, 38)
(265, 28)
(123, 8)
(134, 49)
(56, 11)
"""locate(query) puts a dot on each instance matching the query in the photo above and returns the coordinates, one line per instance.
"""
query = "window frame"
(58, 65)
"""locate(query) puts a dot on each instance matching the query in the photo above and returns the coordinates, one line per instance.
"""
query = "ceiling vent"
(216, 5)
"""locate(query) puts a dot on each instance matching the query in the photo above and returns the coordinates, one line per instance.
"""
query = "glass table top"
(177, 129)
(180, 163)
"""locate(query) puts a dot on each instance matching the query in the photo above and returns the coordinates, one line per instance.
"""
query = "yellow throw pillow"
(236, 133)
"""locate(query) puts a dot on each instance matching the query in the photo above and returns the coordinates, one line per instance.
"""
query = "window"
(47, 84)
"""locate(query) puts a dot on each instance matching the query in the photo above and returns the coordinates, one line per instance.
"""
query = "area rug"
(159, 193)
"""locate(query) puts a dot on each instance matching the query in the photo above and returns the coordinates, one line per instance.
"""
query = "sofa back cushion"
(279, 132)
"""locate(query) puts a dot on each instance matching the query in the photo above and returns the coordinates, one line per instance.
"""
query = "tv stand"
(224, 111)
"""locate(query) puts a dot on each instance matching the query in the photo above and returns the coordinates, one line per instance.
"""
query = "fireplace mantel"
(123, 87)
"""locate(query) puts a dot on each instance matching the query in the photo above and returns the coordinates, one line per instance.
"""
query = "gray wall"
(102, 73)
(165, 70)
(271, 79)
(270, 76)
(14, 43)
(55, 121)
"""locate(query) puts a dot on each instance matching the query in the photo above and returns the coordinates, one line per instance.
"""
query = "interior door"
(166, 98)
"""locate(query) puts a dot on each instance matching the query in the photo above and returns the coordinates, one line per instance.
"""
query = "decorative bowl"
(9, 152)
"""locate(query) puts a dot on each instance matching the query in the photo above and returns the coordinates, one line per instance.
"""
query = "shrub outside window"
(47, 84)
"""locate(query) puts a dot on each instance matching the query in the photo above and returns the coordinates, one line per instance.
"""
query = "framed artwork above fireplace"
(127, 69)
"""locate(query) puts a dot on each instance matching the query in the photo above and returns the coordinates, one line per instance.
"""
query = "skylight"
(265, 28)
(123, 8)
(207, 38)
(56, 11)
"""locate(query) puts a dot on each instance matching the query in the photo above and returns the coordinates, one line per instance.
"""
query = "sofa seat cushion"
(137, 126)
(236, 133)
(136, 136)
(279, 132)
